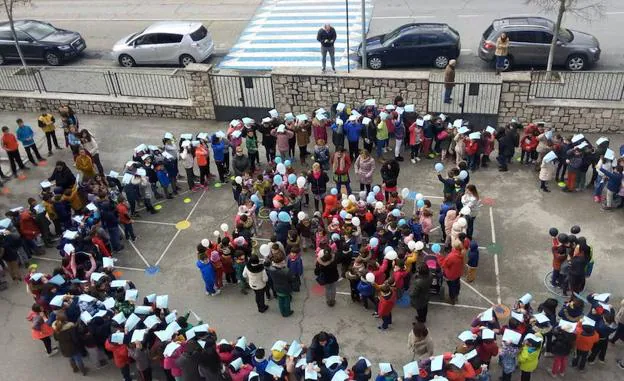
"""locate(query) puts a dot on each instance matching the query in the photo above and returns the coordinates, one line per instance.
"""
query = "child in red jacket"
(387, 299)
(487, 347)
(528, 145)
(120, 356)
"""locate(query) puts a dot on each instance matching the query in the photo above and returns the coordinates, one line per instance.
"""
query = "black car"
(39, 41)
(412, 45)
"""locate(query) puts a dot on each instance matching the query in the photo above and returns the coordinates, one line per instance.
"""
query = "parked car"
(529, 44)
(167, 42)
(412, 45)
(39, 41)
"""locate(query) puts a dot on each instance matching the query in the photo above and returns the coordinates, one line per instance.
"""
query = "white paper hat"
(247, 121)
(533, 337)
(487, 315)
(490, 129)
(302, 117)
(517, 315)
(526, 298)
(588, 321)
(366, 121)
(409, 108)
(458, 360)
(541, 318)
(487, 334)
(281, 128)
(462, 130)
(45, 184)
(427, 117)
(458, 123)
(601, 140)
(465, 336)
(577, 137)
(609, 154)
(289, 116)
(475, 136)
(369, 102)
(340, 106)
(355, 112)
(511, 336)
(383, 115)
(602, 297)
(550, 156)
(273, 113)
(266, 120)
(567, 326)
(420, 122)
(168, 135)
(582, 145)
(390, 107)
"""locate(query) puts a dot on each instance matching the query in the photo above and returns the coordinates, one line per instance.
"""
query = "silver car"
(529, 44)
(167, 42)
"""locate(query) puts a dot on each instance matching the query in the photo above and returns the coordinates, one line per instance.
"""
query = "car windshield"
(134, 35)
(38, 30)
(392, 35)
(565, 35)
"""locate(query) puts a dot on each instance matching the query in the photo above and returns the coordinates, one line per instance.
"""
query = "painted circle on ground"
(187, 200)
(158, 207)
(22, 177)
(494, 248)
(6, 190)
(488, 201)
(117, 274)
(42, 163)
(184, 224)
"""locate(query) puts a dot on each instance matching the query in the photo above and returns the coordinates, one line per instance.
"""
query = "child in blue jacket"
(163, 179)
(295, 265)
(473, 261)
(207, 273)
(613, 184)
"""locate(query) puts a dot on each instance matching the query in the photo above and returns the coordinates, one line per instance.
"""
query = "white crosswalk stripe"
(282, 33)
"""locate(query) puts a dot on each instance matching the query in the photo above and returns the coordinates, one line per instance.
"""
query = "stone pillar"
(514, 98)
(199, 89)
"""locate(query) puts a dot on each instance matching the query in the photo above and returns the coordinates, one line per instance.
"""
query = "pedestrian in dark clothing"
(323, 345)
(283, 280)
(62, 176)
(419, 298)
(10, 145)
(326, 272)
(327, 36)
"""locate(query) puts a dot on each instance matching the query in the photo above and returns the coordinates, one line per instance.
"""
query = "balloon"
(301, 216)
(216, 233)
(411, 245)
(265, 250)
(419, 245)
(370, 277)
(462, 222)
(281, 169)
(276, 204)
(439, 167)
(335, 237)
(238, 179)
(404, 192)
(345, 203)
(387, 249)
(277, 180)
(292, 178)
(362, 195)
(396, 212)
(352, 198)
(462, 175)
(391, 255)
(420, 203)
(465, 211)
(436, 248)
(401, 222)
(553, 232)
(373, 242)
(575, 229)
(287, 163)
(379, 205)
(283, 217)
(343, 214)
(419, 196)
(273, 216)
(370, 199)
(301, 182)
(225, 227)
(334, 191)
(278, 160)
(355, 221)
(376, 189)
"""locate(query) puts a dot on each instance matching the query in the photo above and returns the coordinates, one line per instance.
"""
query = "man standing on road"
(449, 81)
(327, 36)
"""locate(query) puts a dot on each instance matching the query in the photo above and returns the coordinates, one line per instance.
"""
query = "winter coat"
(63, 178)
(170, 362)
(282, 139)
(528, 360)
(487, 349)
(338, 135)
(422, 348)
(188, 362)
(353, 131)
(207, 271)
(318, 186)
(419, 297)
(27, 226)
(218, 150)
(452, 265)
(163, 178)
(563, 343)
(390, 175)
(365, 289)
(585, 342)
(382, 131)
(547, 171)
(303, 135)
(386, 304)
(132, 189)
(614, 180)
(68, 341)
(240, 163)
(295, 265)
(365, 168)
(120, 353)
(282, 278)
(25, 135)
(256, 276)
(316, 352)
(327, 270)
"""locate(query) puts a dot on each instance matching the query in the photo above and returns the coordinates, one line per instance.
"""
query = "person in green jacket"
(529, 355)
(251, 143)
(382, 133)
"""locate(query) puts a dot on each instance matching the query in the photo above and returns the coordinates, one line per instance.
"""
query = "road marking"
(154, 222)
(60, 261)
(615, 13)
(146, 20)
(135, 249)
(477, 292)
(458, 305)
(402, 17)
(466, 50)
(468, 16)
(496, 268)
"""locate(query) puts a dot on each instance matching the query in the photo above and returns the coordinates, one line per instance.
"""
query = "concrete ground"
(512, 227)
(103, 22)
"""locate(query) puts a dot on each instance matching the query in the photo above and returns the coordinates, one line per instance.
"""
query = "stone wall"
(302, 91)
(198, 106)
(561, 114)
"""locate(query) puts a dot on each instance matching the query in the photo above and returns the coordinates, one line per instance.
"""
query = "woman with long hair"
(89, 143)
(470, 199)
(419, 342)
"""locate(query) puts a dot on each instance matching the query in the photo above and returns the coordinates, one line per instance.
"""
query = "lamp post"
(363, 21)
(348, 50)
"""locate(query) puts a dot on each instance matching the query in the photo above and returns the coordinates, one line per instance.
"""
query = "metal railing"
(164, 85)
(586, 85)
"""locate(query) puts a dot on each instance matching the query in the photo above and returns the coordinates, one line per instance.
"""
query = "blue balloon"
(343, 214)
(402, 222)
(335, 237)
(420, 203)
(436, 248)
(292, 178)
(370, 199)
(439, 167)
(462, 175)
(287, 163)
(277, 180)
(254, 198)
(376, 189)
(396, 212)
(373, 242)
(278, 160)
(273, 216)
(387, 249)
(334, 191)
(284, 217)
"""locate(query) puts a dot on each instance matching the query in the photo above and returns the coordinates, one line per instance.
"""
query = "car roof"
(176, 27)
(425, 26)
(523, 21)
(18, 24)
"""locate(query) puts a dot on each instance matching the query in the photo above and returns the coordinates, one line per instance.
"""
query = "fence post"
(34, 78)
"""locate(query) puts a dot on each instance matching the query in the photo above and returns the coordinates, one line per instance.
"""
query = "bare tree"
(585, 9)
(9, 5)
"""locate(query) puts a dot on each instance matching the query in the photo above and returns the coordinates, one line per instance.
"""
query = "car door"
(145, 48)
(7, 44)
(402, 50)
(541, 48)
(31, 49)
(521, 45)
(169, 47)
(431, 45)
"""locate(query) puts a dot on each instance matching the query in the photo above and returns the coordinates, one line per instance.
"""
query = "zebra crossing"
(282, 33)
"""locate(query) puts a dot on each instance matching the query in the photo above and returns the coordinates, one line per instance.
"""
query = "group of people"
(387, 254)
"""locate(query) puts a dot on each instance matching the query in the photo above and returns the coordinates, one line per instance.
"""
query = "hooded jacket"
(419, 298)
(317, 352)
(529, 358)
(422, 348)
(282, 277)
(360, 371)
(256, 276)
(68, 341)
(328, 270)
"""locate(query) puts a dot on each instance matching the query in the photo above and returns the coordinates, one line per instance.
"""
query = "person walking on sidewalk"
(449, 81)
(502, 48)
(46, 123)
(10, 145)
(327, 36)
(26, 135)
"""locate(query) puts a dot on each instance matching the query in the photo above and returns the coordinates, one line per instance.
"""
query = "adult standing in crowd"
(449, 81)
(327, 36)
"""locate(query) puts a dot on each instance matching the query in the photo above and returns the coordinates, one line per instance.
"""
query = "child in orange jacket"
(586, 337)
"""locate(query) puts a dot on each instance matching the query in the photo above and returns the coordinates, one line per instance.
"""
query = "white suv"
(167, 42)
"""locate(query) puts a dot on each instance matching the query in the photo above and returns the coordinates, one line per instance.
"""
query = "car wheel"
(506, 63)
(576, 62)
(126, 61)
(52, 59)
(186, 59)
(441, 62)
(375, 63)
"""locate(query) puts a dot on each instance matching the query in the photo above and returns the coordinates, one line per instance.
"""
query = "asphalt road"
(103, 22)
